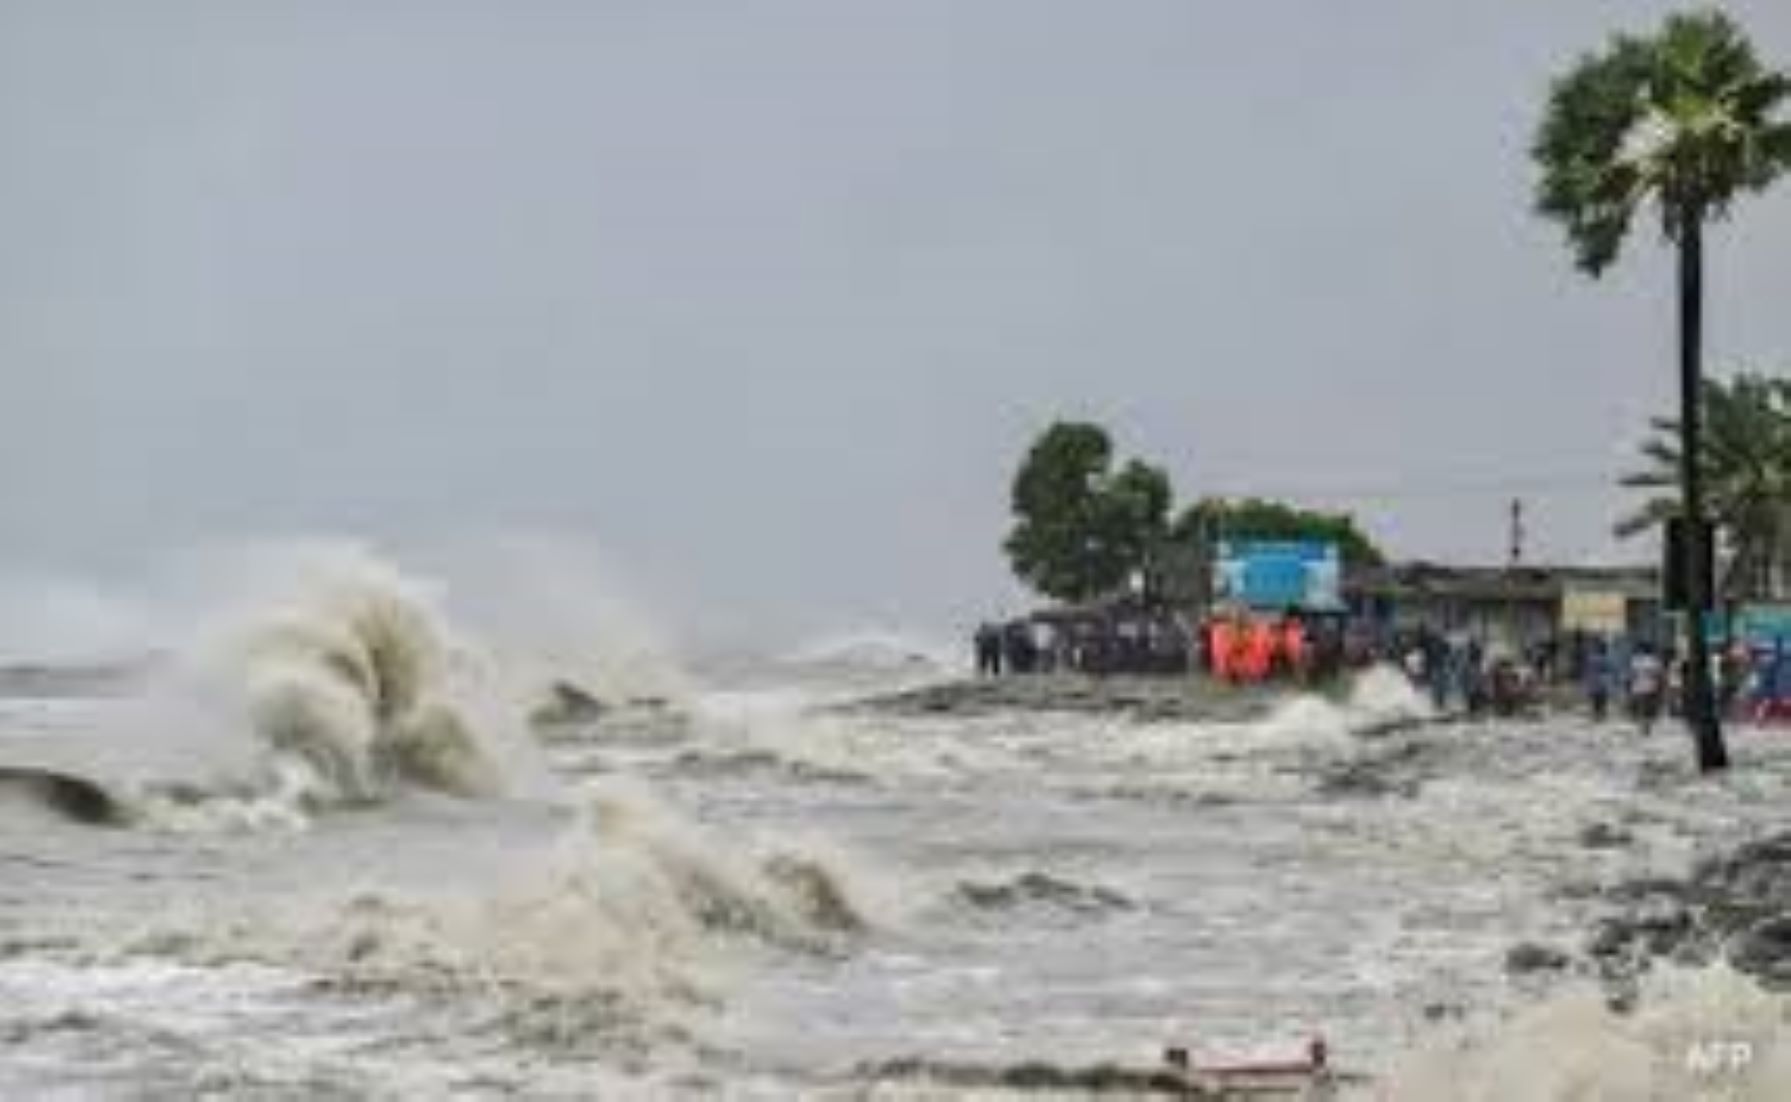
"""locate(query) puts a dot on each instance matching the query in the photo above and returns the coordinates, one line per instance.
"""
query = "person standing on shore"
(1259, 650)
(1294, 650)
(1437, 669)
(1647, 685)
(1599, 675)
(1225, 648)
(988, 650)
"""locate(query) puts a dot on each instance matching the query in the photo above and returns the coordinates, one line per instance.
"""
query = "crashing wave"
(334, 682)
(356, 678)
(1379, 700)
(612, 934)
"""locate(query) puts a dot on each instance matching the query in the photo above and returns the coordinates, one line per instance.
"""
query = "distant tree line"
(1084, 526)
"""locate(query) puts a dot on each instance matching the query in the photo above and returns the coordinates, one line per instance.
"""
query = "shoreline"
(1138, 697)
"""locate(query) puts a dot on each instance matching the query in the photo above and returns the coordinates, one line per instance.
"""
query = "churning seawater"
(352, 857)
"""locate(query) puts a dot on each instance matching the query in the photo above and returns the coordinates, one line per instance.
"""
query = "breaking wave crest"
(1379, 700)
(355, 684)
(617, 932)
(336, 682)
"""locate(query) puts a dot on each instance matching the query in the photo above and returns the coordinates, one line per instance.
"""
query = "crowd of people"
(1246, 648)
(1636, 677)
(1139, 642)
(1751, 683)
(1459, 672)
(1233, 646)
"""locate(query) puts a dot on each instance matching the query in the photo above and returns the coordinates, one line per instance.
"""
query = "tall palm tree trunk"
(1700, 701)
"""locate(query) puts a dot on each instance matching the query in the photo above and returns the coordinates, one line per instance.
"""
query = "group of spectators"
(1233, 646)
(1242, 647)
(1642, 680)
(1009, 648)
(1461, 671)
(1751, 683)
(1456, 671)
(1138, 643)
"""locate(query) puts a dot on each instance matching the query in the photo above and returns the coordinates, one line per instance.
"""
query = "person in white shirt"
(1646, 686)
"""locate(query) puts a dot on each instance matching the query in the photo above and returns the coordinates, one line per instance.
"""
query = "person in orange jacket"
(1293, 645)
(1222, 636)
(1259, 650)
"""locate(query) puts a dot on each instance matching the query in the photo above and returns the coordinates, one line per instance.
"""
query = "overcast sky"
(766, 298)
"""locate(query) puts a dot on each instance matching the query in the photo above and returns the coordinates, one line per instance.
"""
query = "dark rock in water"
(1764, 951)
(1393, 725)
(1665, 921)
(1038, 887)
(1389, 773)
(1605, 836)
(1610, 940)
(1359, 781)
(569, 703)
(706, 763)
(74, 798)
(1530, 957)
(820, 896)
(1737, 905)
(1643, 889)
(1756, 875)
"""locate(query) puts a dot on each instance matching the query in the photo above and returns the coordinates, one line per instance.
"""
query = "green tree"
(1684, 120)
(1746, 472)
(1260, 519)
(1080, 529)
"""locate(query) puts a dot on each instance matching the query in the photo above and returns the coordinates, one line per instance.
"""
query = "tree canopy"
(1685, 118)
(1080, 528)
(1260, 519)
(1746, 462)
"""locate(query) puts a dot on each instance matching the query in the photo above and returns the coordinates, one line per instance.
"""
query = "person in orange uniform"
(1223, 640)
(1293, 646)
(1259, 650)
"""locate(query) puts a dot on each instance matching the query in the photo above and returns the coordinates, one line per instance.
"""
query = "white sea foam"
(1709, 1033)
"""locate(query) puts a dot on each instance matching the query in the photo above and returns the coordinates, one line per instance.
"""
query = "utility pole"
(1517, 533)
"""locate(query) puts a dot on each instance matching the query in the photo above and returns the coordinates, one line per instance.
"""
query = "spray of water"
(327, 677)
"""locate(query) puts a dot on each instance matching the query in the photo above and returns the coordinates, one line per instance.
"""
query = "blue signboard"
(1760, 626)
(1763, 625)
(1279, 574)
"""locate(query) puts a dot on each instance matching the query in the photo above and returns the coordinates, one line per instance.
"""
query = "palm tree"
(1684, 120)
(1746, 474)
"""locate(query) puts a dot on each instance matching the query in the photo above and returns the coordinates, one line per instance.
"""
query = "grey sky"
(766, 297)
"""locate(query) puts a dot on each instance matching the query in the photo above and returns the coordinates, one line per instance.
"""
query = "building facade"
(1509, 606)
